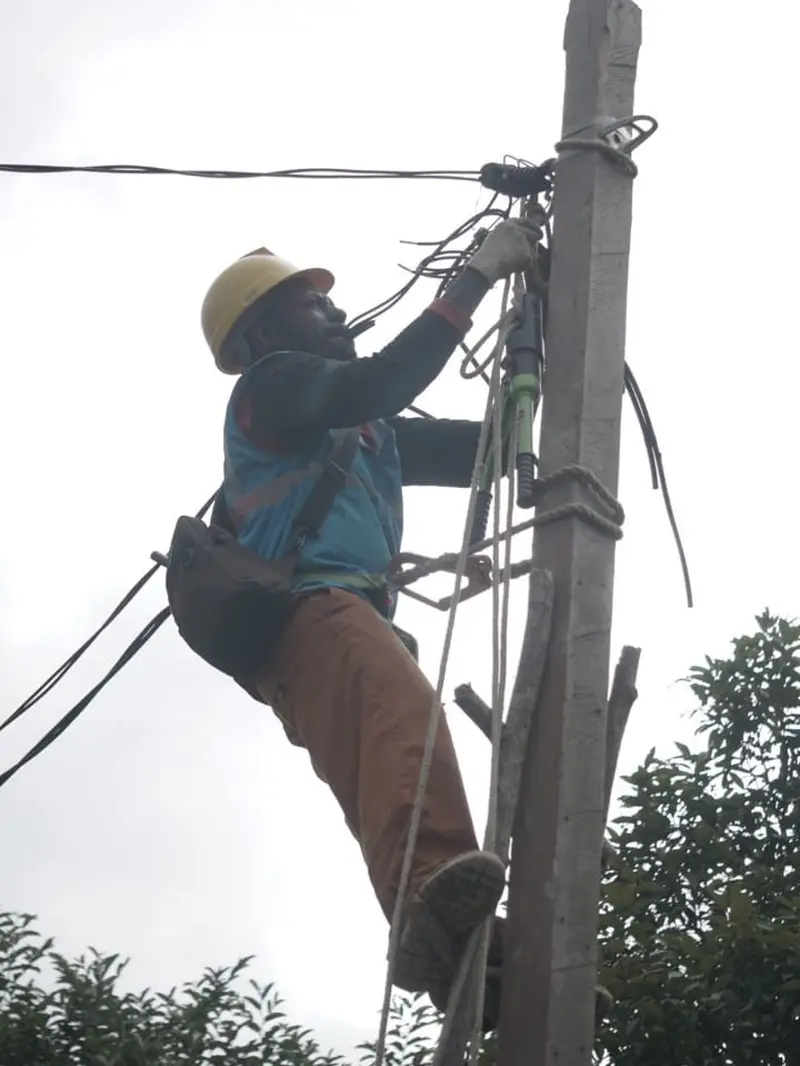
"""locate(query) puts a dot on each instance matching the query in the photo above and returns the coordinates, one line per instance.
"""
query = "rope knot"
(609, 523)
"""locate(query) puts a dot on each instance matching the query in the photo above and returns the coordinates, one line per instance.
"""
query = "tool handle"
(526, 480)
(480, 519)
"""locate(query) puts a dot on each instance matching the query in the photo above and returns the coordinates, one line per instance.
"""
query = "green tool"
(519, 399)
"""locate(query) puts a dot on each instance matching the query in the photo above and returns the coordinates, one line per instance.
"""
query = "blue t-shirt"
(266, 485)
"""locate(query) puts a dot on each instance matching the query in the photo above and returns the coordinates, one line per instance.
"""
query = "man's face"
(299, 317)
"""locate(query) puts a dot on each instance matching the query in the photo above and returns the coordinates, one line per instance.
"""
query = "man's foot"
(449, 905)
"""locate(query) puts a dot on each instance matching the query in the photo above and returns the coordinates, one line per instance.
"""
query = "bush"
(700, 924)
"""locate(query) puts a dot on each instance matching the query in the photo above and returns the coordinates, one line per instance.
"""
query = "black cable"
(429, 266)
(657, 474)
(324, 173)
(67, 665)
(53, 734)
(443, 264)
(654, 458)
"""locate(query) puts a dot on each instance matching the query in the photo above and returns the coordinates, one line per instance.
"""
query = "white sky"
(173, 822)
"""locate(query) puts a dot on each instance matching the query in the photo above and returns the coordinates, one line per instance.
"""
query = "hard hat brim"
(319, 277)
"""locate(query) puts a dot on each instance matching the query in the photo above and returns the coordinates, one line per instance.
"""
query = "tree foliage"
(223, 1019)
(700, 925)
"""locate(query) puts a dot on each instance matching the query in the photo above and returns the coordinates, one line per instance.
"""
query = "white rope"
(501, 583)
(436, 709)
(478, 944)
(473, 961)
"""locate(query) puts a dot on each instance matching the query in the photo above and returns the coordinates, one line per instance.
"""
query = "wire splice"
(517, 181)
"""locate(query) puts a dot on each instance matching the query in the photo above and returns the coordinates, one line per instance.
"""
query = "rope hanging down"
(436, 710)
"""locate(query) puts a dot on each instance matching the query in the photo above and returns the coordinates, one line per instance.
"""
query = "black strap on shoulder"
(329, 484)
(220, 515)
(313, 513)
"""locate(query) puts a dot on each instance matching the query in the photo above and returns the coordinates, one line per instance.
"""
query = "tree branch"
(620, 701)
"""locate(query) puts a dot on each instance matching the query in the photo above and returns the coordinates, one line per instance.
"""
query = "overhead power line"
(324, 173)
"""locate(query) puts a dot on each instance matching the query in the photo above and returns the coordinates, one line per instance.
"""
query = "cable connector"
(516, 181)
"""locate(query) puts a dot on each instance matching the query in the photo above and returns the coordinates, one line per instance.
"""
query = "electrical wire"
(655, 459)
(135, 646)
(657, 474)
(443, 264)
(432, 265)
(319, 173)
(67, 665)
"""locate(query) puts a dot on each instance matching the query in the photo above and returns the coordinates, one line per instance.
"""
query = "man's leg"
(360, 705)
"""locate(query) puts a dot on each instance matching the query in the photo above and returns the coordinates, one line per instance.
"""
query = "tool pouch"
(230, 605)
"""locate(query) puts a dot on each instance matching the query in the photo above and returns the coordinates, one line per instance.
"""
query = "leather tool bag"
(231, 605)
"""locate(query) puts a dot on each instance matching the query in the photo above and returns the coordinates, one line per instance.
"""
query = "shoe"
(449, 905)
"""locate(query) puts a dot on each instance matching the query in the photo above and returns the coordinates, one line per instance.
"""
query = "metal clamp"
(628, 134)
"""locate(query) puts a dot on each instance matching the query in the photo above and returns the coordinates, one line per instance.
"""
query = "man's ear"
(236, 350)
(262, 334)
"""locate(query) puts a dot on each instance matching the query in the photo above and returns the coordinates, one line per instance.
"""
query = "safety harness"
(230, 604)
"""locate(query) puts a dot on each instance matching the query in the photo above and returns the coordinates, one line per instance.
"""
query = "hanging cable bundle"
(442, 263)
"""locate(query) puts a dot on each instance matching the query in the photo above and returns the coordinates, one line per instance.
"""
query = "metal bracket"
(628, 134)
(478, 573)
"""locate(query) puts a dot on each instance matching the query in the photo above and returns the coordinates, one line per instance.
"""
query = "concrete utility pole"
(547, 1016)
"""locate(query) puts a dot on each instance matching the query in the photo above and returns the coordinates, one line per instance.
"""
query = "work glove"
(509, 248)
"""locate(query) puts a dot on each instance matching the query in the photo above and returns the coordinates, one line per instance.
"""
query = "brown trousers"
(348, 691)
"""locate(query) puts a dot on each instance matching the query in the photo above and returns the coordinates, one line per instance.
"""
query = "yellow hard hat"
(239, 286)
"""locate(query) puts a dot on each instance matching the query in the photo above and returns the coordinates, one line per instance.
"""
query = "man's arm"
(439, 451)
(297, 393)
(436, 451)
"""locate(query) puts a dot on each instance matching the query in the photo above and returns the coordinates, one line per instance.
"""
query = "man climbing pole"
(339, 677)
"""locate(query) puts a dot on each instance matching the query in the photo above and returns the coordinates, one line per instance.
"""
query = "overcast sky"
(173, 822)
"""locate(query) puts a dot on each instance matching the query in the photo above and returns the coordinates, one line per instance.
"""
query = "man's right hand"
(509, 248)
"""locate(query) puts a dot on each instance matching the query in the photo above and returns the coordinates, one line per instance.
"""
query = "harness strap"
(328, 485)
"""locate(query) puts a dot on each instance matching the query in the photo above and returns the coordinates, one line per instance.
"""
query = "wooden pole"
(550, 966)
